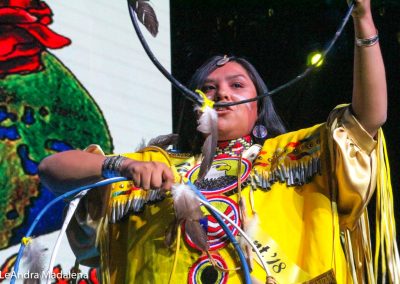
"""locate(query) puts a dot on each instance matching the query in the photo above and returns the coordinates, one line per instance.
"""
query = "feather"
(146, 15)
(163, 141)
(34, 260)
(170, 233)
(142, 144)
(197, 234)
(208, 125)
(187, 210)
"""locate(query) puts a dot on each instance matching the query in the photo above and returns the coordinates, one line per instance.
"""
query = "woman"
(294, 196)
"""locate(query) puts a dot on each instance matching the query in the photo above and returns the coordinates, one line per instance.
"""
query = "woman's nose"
(223, 95)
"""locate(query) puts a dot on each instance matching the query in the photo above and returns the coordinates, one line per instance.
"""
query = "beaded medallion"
(203, 272)
(217, 238)
(222, 176)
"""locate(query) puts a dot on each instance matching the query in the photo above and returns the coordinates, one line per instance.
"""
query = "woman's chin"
(229, 136)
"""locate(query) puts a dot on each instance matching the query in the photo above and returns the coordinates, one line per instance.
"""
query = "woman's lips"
(223, 110)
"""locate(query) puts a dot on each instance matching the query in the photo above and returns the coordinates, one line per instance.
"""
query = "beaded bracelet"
(365, 42)
(112, 166)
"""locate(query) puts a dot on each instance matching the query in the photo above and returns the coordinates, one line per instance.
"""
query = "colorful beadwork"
(222, 176)
(296, 163)
(203, 272)
(217, 238)
(233, 147)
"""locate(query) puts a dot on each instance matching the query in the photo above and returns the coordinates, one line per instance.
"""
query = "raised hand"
(362, 8)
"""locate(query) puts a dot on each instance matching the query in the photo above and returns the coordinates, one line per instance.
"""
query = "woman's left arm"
(369, 103)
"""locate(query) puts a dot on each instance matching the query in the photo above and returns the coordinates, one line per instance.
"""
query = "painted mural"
(44, 109)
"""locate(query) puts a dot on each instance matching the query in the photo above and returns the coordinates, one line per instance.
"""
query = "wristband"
(365, 42)
(112, 166)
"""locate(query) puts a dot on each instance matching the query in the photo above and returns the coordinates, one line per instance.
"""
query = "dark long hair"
(191, 140)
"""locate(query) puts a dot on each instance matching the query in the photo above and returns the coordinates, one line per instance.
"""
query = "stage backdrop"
(72, 73)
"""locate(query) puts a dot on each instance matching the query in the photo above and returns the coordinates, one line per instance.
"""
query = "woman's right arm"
(67, 170)
(70, 169)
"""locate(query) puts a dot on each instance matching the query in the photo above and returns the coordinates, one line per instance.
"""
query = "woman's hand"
(361, 9)
(148, 175)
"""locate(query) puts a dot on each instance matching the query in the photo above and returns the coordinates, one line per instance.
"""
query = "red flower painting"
(24, 35)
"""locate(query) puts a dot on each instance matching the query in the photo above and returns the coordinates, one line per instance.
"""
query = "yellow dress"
(304, 191)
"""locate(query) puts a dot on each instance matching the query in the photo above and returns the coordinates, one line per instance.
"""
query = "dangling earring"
(260, 131)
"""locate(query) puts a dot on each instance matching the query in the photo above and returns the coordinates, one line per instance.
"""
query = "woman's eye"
(208, 88)
(237, 85)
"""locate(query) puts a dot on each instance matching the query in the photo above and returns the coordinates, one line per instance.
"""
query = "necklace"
(233, 147)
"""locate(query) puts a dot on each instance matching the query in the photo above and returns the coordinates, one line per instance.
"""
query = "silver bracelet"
(112, 166)
(365, 42)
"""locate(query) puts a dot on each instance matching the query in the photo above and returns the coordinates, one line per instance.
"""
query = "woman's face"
(231, 83)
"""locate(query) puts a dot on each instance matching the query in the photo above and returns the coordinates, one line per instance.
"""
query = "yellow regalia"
(308, 188)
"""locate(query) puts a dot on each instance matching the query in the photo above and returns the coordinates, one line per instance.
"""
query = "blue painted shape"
(28, 117)
(12, 215)
(30, 167)
(10, 133)
(51, 221)
(4, 114)
(58, 145)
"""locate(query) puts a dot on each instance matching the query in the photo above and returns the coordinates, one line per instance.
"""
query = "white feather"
(181, 191)
(208, 125)
(34, 255)
(206, 120)
(187, 208)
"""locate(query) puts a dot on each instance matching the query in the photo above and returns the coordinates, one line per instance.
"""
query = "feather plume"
(187, 209)
(163, 141)
(170, 233)
(197, 234)
(142, 144)
(146, 15)
(34, 260)
(208, 125)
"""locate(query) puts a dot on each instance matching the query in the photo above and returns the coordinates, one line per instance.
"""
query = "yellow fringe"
(385, 220)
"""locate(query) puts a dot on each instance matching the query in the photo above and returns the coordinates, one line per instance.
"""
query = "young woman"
(294, 194)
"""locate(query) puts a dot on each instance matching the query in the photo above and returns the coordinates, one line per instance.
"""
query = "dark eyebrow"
(236, 76)
(228, 78)
(209, 81)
